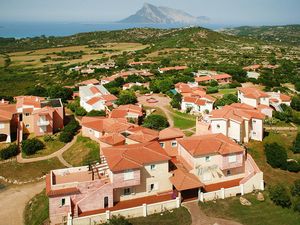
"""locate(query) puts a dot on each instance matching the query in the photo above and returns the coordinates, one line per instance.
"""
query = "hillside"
(289, 34)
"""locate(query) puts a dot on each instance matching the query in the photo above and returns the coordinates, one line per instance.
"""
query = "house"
(197, 104)
(252, 67)
(95, 97)
(189, 89)
(168, 140)
(238, 121)
(8, 122)
(223, 78)
(140, 134)
(141, 63)
(127, 172)
(88, 82)
(277, 98)
(130, 112)
(176, 68)
(130, 85)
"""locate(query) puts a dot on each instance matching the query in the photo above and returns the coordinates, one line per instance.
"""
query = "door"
(106, 202)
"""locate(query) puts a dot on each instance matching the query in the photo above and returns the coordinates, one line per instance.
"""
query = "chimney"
(2, 100)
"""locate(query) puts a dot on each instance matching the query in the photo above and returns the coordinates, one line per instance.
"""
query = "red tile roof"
(183, 180)
(134, 156)
(142, 134)
(195, 100)
(203, 78)
(221, 76)
(7, 111)
(210, 144)
(225, 184)
(170, 133)
(87, 82)
(173, 68)
(113, 139)
(251, 92)
(285, 98)
(140, 63)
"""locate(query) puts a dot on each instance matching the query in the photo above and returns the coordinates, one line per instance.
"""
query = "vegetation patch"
(37, 210)
(83, 151)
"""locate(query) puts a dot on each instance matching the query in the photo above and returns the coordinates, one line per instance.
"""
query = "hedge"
(10, 151)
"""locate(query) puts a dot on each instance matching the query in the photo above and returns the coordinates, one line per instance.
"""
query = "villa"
(130, 112)
(220, 78)
(95, 97)
(176, 68)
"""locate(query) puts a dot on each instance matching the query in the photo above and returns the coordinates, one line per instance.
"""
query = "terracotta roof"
(7, 111)
(109, 97)
(237, 112)
(251, 92)
(95, 90)
(134, 156)
(173, 68)
(94, 100)
(91, 81)
(183, 180)
(58, 192)
(44, 111)
(170, 133)
(210, 144)
(195, 100)
(285, 98)
(142, 134)
(183, 87)
(113, 139)
(34, 101)
(117, 113)
(225, 184)
(203, 78)
(221, 76)
(108, 125)
(252, 67)
(141, 63)
(132, 109)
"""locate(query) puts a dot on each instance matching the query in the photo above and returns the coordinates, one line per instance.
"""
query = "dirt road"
(13, 201)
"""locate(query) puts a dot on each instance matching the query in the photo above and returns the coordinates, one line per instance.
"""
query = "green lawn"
(37, 210)
(27, 171)
(227, 91)
(50, 147)
(157, 111)
(179, 216)
(183, 124)
(83, 151)
(259, 213)
(188, 133)
(273, 176)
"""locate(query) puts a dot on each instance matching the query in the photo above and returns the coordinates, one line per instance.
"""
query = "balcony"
(42, 123)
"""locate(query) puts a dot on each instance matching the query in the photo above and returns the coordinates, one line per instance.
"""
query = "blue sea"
(26, 29)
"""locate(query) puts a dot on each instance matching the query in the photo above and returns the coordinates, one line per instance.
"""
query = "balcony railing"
(43, 123)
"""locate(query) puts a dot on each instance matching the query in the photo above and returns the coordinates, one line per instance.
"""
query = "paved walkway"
(200, 218)
(14, 200)
(57, 154)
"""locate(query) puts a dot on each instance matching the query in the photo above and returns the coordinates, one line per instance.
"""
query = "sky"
(242, 12)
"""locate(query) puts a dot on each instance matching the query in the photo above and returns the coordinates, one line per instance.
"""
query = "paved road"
(200, 218)
(13, 201)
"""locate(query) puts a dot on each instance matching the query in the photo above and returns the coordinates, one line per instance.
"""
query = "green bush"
(276, 155)
(48, 138)
(80, 111)
(66, 136)
(295, 104)
(280, 196)
(10, 151)
(293, 166)
(296, 146)
(211, 90)
(295, 189)
(126, 97)
(156, 122)
(31, 146)
(96, 113)
(296, 204)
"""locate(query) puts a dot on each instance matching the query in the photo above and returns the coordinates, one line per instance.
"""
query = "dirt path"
(13, 202)
(57, 154)
(199, 218)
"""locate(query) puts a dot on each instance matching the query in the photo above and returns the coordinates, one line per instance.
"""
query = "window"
(27, 125)
(228, 173)
(153, 167)
(232, 158)
(162, 144)
(254, 121)
(127, 191)
(207, 158)
(218, 126)
(153, 187)
(174, 143)
(90, 131)
(27, 114)
(63, 202)
(128, 175)
(1, 125)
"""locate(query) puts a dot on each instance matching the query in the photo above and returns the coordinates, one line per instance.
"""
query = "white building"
(197, 104)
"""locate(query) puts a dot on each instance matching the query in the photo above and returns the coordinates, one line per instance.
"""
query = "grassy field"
(50, 147)
(227, 91)
(37, 210)
(157, 111)
(82, 152)
(27, 171)
(179, 216)
(188, 133)
(258, 213)
(273, 176)
(182, 123)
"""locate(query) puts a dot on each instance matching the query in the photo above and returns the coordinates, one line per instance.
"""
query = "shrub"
(10, 151)
(295, 189)
(31, 146)
(276, 155)
(176, 101)
(211, 90)
(48, 138)
(127, 97)
(295, 104)
(156, 122)
(80, 111)
(66, 136)
(296, 146)
(279, 195)
(96, 113)
(293, 166)
(296, 204)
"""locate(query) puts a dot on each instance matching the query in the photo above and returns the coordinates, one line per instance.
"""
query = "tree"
(296, 146)
(293, 166)
(276, 155)
(66, 136)
(280, 196)
(37, 91)
(126, 97)
(80, 111)
(295, 104)
(96, 113)
(297, 86)
(31, 146)
(295, 189)
(227, 99)
(10, 151)
(176, 101)
(165, 62)
(156, 122)
(60, 92)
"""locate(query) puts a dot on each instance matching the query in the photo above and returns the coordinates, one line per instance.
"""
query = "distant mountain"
(153, 14)
(289, 34)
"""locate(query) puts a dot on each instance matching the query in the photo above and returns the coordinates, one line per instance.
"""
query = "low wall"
(138, 211)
